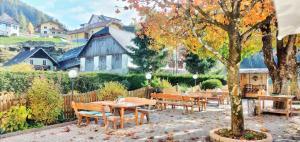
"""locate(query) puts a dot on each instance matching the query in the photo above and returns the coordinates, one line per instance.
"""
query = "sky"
(72, 13)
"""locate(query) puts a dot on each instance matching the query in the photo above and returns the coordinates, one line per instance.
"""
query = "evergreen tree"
(147, 60)
(23, 22)
(195, 64)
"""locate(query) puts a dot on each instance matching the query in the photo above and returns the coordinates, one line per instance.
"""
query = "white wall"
(9, 30)
(39, 61)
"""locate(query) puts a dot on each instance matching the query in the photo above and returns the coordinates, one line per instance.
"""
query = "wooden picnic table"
(122, 106)
(287, 100)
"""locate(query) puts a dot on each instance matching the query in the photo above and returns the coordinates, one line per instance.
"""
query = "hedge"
(19, 82)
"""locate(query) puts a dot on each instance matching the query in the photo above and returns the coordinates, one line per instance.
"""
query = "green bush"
(45, 101)
(15, 119)
(183, 87)
(19, 82)
(211, 84)
(111, 91)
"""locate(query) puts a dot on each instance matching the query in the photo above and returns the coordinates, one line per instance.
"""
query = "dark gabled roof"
(26, 54)
(70, 58)
(4, 18)
(123, 37)
(256, 61)
(70, 54)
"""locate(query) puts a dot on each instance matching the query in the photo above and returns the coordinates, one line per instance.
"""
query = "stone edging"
(2, 136)
(217, 138)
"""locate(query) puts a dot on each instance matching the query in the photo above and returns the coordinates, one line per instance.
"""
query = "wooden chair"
(90, 110)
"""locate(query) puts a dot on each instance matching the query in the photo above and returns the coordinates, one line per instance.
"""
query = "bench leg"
(148, 117)
(115, 124)
(96, 120)
(88, 120)
(142, 118)
(106, 125)
(79, 120)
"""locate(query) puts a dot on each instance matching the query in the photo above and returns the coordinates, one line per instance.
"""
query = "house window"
(45, 32)
(53, 32)
(31, 61)
(45, 27)
(44, 62)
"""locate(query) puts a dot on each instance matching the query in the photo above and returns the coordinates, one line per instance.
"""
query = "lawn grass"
(15, 40)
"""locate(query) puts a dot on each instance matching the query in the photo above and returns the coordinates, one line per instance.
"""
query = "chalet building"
(8, 26)
(51, 29)
(96, 23)
(38, 57)
(106, 51)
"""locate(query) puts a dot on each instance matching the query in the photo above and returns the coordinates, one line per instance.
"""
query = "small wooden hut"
(253, 82)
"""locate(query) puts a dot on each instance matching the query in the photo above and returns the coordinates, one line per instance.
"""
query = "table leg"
(136, 116)
(122, 118)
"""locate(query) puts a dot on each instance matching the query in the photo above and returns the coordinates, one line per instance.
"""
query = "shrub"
(111, 91)
(19, 82)
(165, 84)
(45, 101)
(183, 87)
(15, 119)
(21, 68)
(211, 84)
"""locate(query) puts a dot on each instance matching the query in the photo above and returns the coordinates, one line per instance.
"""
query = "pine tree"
(23, 22)
(195, 64)
(147, 60)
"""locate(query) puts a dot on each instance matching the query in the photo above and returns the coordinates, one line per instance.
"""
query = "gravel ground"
(169, 125)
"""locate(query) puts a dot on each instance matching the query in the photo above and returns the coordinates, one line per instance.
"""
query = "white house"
(8, 26)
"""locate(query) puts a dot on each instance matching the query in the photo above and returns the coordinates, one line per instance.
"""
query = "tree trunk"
(233, 66)
(294, 73)
(277, 71)
(237, 118)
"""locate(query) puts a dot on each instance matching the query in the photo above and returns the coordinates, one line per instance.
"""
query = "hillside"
(23, 13)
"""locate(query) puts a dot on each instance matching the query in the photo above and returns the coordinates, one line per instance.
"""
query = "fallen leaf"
(264, 129)
(66, 129)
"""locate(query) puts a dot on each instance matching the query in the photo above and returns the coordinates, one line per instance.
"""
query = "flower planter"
(217, 138)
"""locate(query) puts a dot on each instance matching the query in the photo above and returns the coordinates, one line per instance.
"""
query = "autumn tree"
(30, 28)
(223, 28)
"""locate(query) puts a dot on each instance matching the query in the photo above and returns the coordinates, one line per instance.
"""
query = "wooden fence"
(8, 100)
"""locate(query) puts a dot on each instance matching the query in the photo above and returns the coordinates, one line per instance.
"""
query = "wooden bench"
(173, 100)
(90, 110)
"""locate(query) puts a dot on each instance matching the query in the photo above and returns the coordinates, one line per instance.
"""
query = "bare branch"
(210, 20)
(236, 8)
(224, 7)
(255, 27)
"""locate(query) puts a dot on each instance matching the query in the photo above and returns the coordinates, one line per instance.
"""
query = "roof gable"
(4, 18)
(123, 38)
(22, 56)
